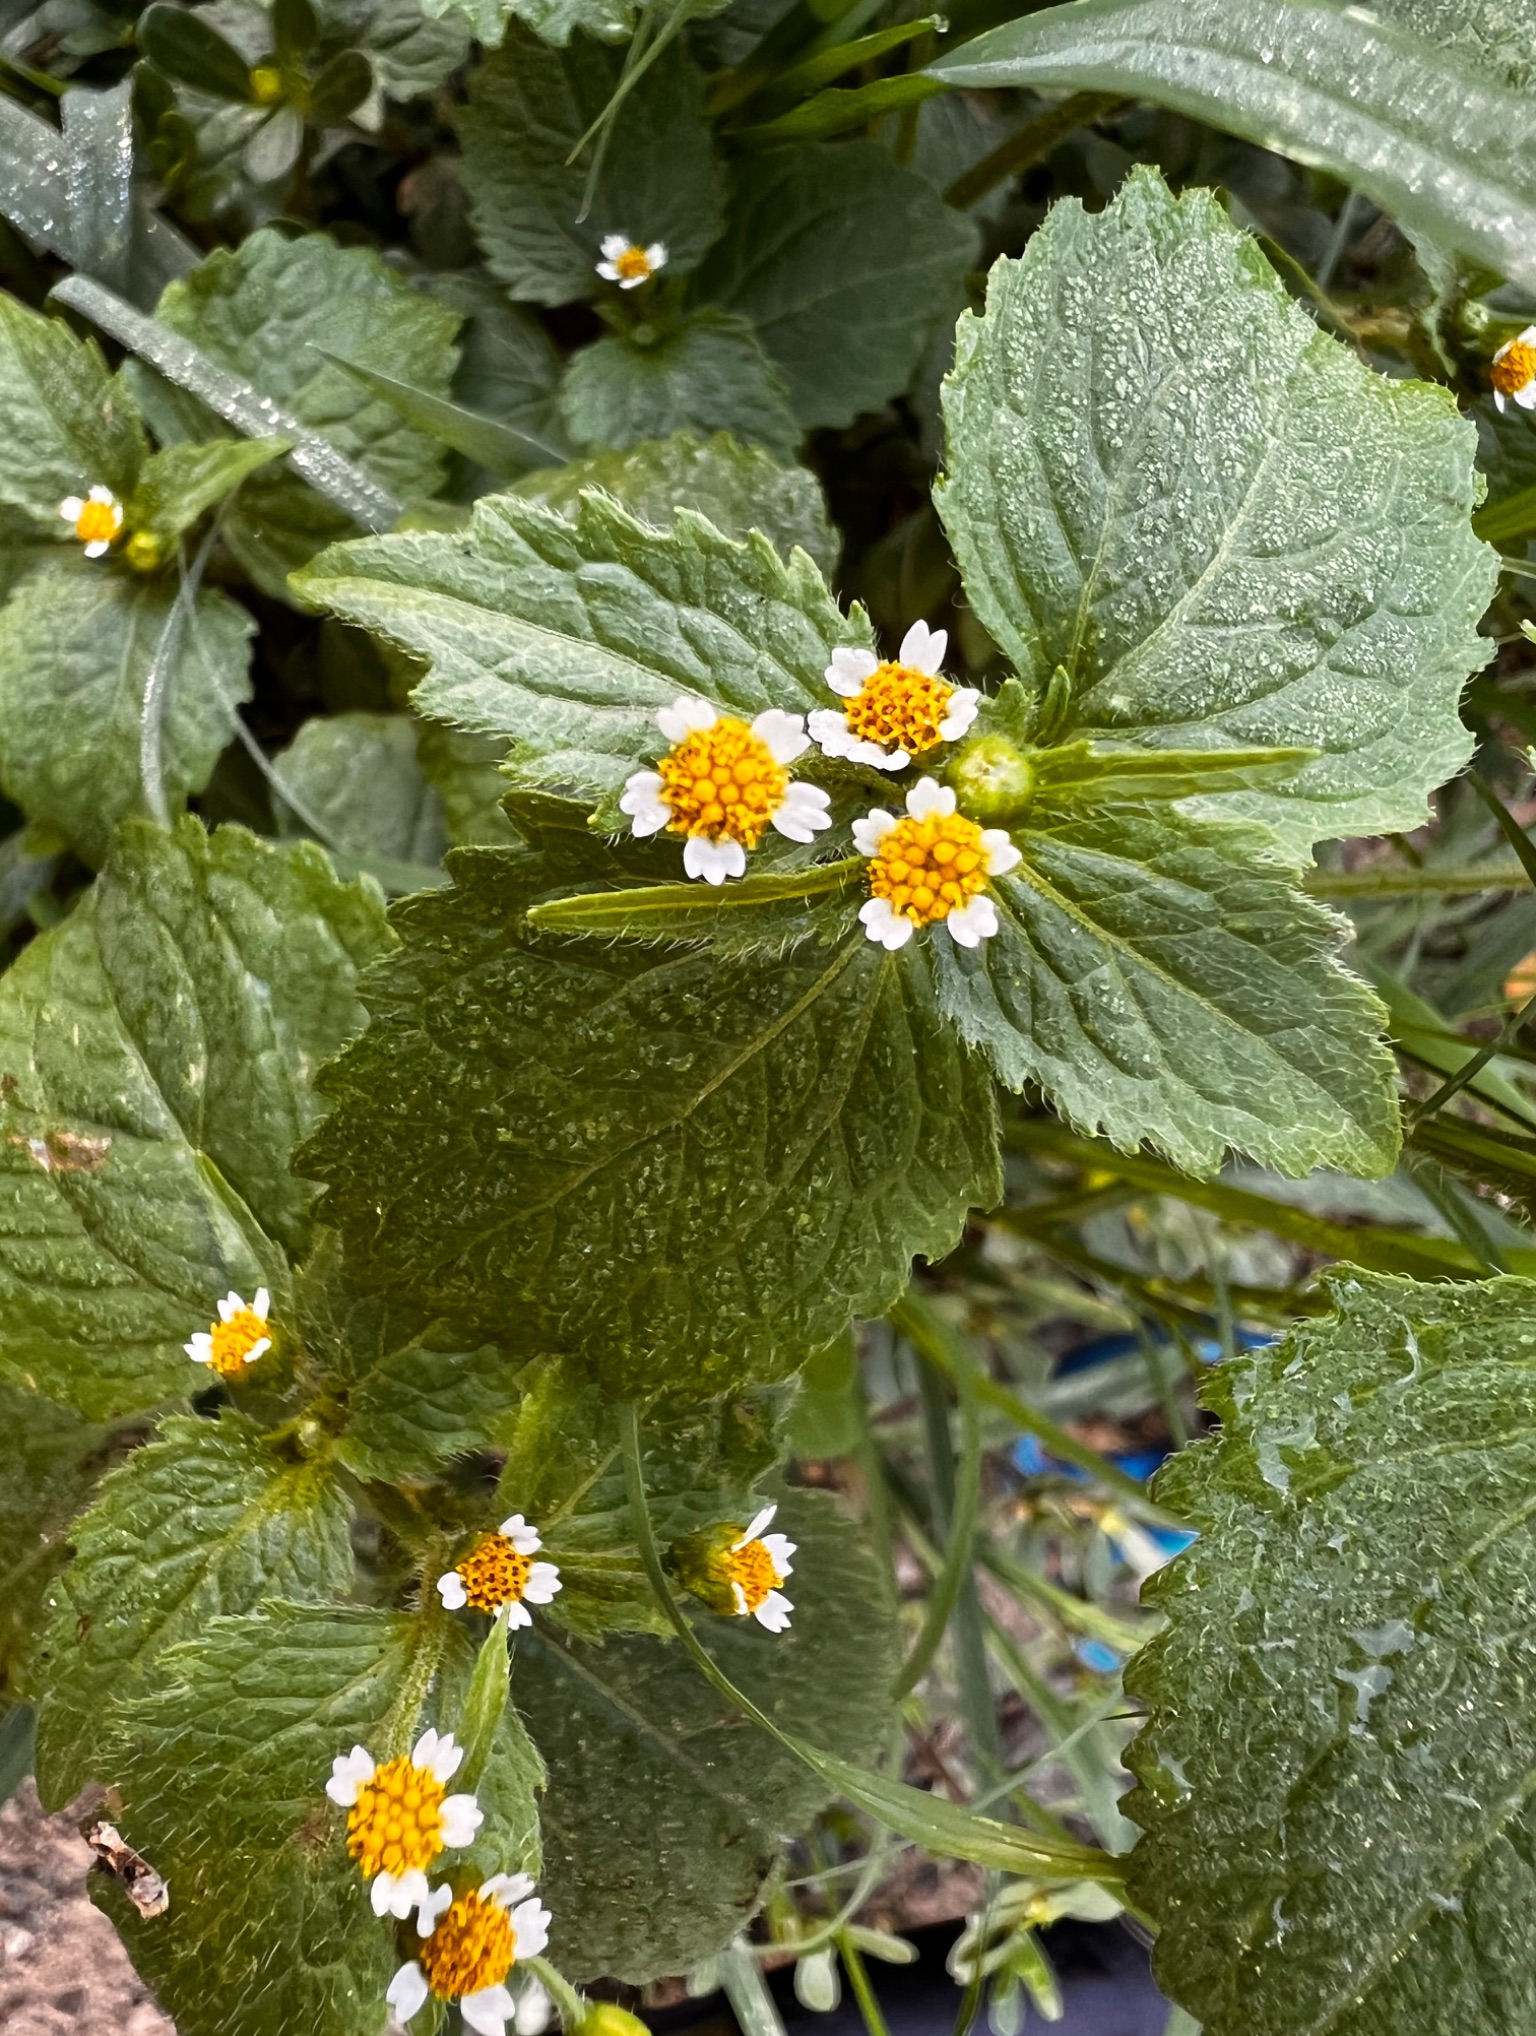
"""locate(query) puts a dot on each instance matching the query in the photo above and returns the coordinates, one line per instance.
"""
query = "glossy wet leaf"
(707, 374)
(1164, 478)
(68, 426)
(1336, 1773)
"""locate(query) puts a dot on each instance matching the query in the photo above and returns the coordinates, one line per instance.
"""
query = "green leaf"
(1228, 531)
(1335, 1775)
(501, 448)
(837, 111)
(565, 636)
(664, 1806)
(425, 1404)
(1496, 34)
(682, 1171)
(203, 1521)
(844, 263)
(413, 53)
(707, 374)
(766, 915)
(179, 484)
(66, 424)
(49, 1462)
(465, 770)
(529, 106)
(183, 44)
(1437, 141)
(357, 776)
(79, 641)
(144, 1156)
(1165, 979)
(739, 488)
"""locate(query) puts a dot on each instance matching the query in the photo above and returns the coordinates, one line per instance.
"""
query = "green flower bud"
(605, 2018)
(993, 778)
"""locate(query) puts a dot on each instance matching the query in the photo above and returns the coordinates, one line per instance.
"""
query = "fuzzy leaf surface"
(358, 776)
(1336, 1775)
(50, 1460)
(78, 642)
(707, 374)
(564, 635)
(844, 262)
(204, 1520)
(1165, 979)
(683, 1172)
(529, 105)
(666, 1807)
(68, 426)
(1230, 533)
(156, 1053)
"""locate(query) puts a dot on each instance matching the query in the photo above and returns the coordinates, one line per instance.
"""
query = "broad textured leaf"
(1499, 35)
(1165, 979)
(737, 487)
(78, 644)
(412, 53)
(67, 425)
(529, 106)
(1336, 1773)
(183, 481)
(357, 776)
(1437, 140)
(156, 1053)
(707, 374)
(684, 1172)
(466, 771)
(565, 635)
(203, 1521)
(666, 1808)
(1230, 533)
(845, 264)
(50, 1460)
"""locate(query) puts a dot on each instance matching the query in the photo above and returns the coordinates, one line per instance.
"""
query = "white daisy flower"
(237, 1339)
(499, 1572)
(723, 784)
(1512, 371)
(756, 1565)
(896, 710)
(400, 1817)
(97, 519)
(470, 1944)
(628, 264)
(931, 866)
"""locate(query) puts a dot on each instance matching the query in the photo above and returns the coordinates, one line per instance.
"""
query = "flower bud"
(993, 779)
(606, 2018)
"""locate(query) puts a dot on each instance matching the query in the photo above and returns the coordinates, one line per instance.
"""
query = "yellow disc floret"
(929, 868)
(495, 1574)
(1513, 367)
(233, 1341)
(98, 522)
(474, 1946)
(723, 782)
(633, 265)
(266, 84)
(899, 707)
(396, 1824)
(752, 1568)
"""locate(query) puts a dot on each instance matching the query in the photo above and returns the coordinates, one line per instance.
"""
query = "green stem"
(747, 1991)
(858, 1979)
(570, 2006)
(957, 1502)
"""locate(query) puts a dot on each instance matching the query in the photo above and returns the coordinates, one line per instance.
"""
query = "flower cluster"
(233, 1343)
(724, 783)
(472, 1941)
(499, 1573)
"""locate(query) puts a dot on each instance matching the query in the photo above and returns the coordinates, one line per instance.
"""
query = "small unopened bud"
(993, 778)
(266, 84)
(144, 552)
(605, 2018)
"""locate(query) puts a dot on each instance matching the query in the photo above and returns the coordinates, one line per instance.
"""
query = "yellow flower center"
(234, 1340)
(396, 1824)
(752, 1568)
(98, 522)
(899, 708)
(472, 1947)
(266, 85)
(494, 1574)
(927, 868)
(723, 782)
(1515, 366)
(634, 265)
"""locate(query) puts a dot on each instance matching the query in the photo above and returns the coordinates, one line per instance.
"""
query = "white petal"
(406, 1992)
(630, 282)
(963, 703)
(656, 254)
(506, 1888)
(462, 1818)
(524, 1539)
(348, 1772)
(1528, 337)
(830, 729)
(686, 716)
(849, 669)
(882, 759)
(230, 1307)
(928, 797)
(543, 1582)
(530, 1923)
(1002, 856)
(608, 272)
(741, 1599)
(891, 929)
(615, 244)
(98, 548)
(200, 1349)
(450, 1588)
(440, 1752)
(258, 1349)
(642, 800)
(488, 2011)
(923, 648)
(973, 923)
(783, 734)
(397, 1898)
(428, 1911)
(714, 861)
(517, 1615)
(774, 1612)
(1498, 397)
(103, 497)
(262, 1305)
(761, 1519)
(535, 2010)
(71, 506)
(1525, 397)
(802, 812)
(780, 1548)
(869, 832)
